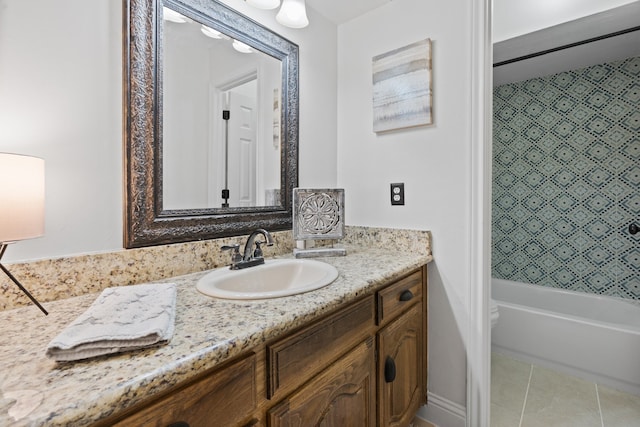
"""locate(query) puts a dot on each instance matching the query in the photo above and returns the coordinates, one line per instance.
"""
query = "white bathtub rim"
(571, 318)
(568, 316)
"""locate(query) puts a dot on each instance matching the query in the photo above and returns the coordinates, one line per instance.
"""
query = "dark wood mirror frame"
(145, 221)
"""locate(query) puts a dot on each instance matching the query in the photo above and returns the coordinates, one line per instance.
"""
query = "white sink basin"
(275, 278)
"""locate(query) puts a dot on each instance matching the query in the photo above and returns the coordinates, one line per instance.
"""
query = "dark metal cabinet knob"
(406, 296)
(633, 228)
(389, 369)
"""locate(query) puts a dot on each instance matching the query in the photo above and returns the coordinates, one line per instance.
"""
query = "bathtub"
(590, 336)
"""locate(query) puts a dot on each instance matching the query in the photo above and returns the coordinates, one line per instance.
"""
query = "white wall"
(61, 99)
(516, 17)
(433, 162)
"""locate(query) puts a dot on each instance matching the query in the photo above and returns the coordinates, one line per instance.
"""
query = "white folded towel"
(121, 318)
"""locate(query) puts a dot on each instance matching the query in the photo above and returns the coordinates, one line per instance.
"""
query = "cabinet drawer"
(395, 298)
(295, 358)
(227, 396)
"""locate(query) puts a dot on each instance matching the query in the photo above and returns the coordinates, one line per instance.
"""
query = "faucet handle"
(257, 253)
(235, 253)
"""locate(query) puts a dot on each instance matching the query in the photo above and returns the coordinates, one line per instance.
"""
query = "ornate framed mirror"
(188, 176)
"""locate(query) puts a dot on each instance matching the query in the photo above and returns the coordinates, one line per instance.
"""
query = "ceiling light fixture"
(293, 14)
(210, 32)
(241, 47)
(173, 16)
(264, 4)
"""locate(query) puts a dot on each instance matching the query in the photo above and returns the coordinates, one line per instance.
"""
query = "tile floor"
(525, 395)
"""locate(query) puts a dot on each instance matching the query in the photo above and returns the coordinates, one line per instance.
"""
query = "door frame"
(479, 326)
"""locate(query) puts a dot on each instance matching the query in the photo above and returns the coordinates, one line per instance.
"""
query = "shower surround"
(566, 180)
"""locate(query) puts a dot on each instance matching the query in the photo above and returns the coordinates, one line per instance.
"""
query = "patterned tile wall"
(566, 180)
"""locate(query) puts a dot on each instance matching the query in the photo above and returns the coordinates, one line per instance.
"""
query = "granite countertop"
(36, 391)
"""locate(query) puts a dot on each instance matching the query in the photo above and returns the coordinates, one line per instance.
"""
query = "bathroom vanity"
(326, 370)
(353, 350)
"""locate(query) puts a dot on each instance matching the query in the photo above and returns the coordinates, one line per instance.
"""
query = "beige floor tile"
(560, 400)
(619, 409)
(509, 380)
(504, 417)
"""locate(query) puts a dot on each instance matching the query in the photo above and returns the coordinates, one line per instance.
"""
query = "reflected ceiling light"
(293, 14)
(210, 32)
(264, 4)
(173, 16)
(241, 47)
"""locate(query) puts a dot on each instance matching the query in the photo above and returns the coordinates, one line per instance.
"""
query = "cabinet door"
(341, 395)
(400, 368)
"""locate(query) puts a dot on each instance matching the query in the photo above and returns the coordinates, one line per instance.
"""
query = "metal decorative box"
(318, 214)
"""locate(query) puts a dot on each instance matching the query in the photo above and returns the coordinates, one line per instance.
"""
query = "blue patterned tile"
(563, 80)
(598, 177)
(616, 109)
(632, 66)
(632, 149)
(632, 175)
(564, 252)
(597, 73)
(633, 121)
(631, 258)
(563, 277)
(598, 229)
(632, 94)
(566, 178)
(564, 202)
(631, 204)
(581, 88)
(564, 128)
(599, 255)
(598, 281)
(599, 203)
(598, 125)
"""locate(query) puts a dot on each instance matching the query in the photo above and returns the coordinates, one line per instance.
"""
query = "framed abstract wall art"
(402, 87)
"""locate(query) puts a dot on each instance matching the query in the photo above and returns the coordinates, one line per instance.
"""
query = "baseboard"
(442, 412)
(419, 422)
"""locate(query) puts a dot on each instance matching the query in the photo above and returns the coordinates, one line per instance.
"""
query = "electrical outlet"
(397, 193)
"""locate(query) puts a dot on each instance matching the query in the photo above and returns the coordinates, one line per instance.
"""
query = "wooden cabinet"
(341, 395)
(400, 369)
(401, 351)
(361, 365)
(223, 398)
(296, 357)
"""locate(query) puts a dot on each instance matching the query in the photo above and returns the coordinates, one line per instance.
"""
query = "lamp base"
(3, 247)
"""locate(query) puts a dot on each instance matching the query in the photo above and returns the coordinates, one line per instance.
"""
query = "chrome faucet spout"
(249, 253)
(250, 256)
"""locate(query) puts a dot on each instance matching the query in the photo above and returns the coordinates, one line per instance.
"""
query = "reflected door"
(242, 150)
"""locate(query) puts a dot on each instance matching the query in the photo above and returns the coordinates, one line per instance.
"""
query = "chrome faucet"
(251, 257)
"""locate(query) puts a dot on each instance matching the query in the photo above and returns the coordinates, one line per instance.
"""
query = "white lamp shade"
(21, 197)
(293, 14)
(264, 4)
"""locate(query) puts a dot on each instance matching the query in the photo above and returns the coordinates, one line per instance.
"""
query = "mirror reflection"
(221, 119)
(176, 168)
